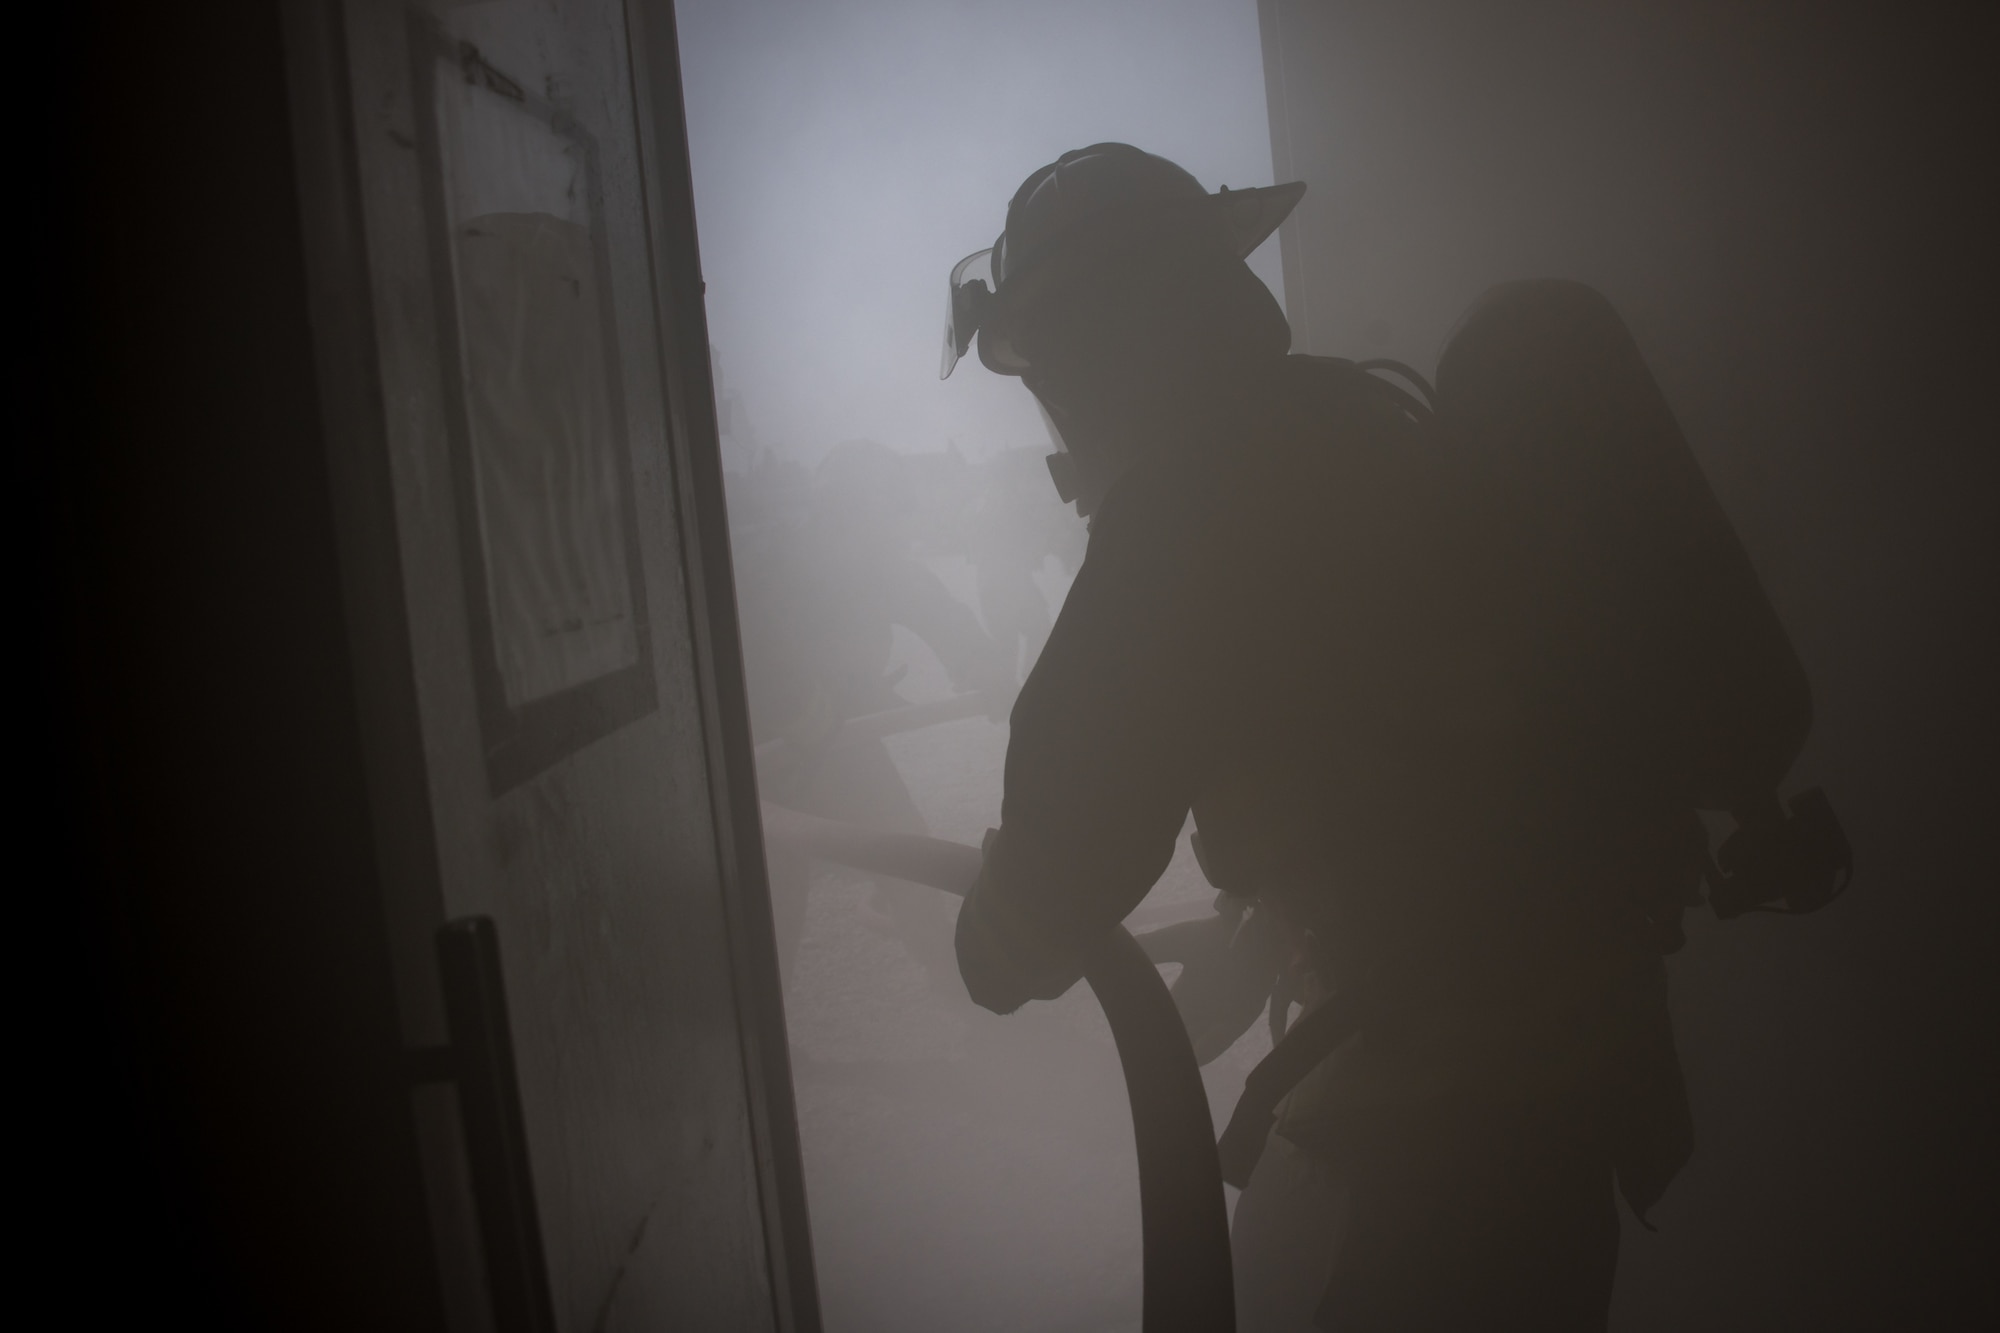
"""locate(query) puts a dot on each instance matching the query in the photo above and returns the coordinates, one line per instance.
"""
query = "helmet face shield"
(970, 305)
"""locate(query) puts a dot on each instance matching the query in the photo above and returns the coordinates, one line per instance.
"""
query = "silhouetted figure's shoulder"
(1309, 456)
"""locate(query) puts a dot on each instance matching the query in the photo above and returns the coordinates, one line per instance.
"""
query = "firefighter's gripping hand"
(1003, 959)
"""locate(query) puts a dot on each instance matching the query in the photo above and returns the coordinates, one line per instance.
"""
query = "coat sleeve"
(1111, 737)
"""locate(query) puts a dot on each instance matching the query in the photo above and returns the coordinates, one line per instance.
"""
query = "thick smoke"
(897, 542)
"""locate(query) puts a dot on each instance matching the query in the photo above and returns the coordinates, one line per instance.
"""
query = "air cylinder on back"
(1651, 648)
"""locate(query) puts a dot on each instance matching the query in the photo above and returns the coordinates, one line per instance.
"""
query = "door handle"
(480, 1059)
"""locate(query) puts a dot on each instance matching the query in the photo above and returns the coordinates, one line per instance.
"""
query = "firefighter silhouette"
(1442, 684)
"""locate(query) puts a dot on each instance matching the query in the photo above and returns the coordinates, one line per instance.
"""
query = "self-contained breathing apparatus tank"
(1657, 649)
(1636, 625)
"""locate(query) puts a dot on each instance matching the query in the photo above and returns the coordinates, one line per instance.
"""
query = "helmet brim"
(1250, 216)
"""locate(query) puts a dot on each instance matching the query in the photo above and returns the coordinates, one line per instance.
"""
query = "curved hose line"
(1184, 1221)
(1189, 1286)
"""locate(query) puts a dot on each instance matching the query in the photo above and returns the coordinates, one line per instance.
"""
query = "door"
(496, 209)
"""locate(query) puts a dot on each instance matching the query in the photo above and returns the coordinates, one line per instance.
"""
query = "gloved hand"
(1001, 957)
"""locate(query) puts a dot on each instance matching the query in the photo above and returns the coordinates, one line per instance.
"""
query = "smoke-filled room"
(1013, 666)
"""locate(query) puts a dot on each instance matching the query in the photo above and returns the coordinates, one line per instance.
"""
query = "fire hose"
(1184, 1225)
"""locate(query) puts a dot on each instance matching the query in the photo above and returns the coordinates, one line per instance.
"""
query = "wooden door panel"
(594, 846)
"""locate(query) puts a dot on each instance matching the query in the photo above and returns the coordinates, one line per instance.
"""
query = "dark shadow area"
(226, 1113)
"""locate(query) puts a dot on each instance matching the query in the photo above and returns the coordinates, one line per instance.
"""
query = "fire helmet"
(1107, 185)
